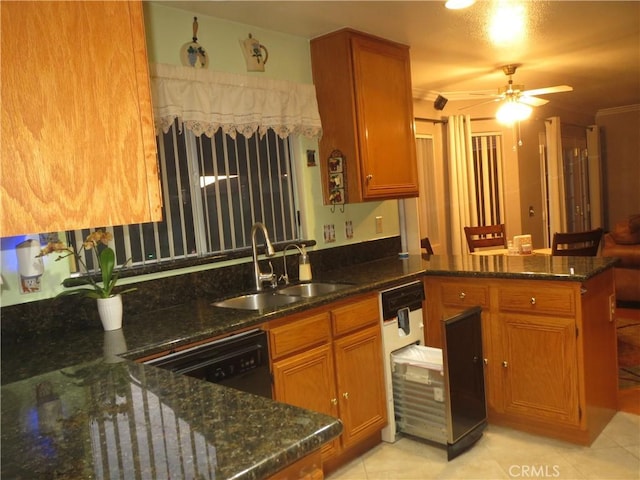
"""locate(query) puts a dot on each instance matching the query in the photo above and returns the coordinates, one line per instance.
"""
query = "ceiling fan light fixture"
(513, 111)
(458, 4)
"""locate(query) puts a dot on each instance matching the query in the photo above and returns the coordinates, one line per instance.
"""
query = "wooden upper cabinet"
(78, 140)
(363, 86)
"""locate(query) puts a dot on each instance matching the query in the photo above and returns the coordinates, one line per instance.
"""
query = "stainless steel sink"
(283, 296)
(312, 289)
(258, 301)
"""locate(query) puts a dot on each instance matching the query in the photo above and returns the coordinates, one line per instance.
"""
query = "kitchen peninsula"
(61, 387)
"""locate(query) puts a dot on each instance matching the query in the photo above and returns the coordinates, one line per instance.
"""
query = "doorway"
(571, 178)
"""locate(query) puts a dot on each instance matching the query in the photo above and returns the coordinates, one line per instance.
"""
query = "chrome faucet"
(285, 276)
(270, 252)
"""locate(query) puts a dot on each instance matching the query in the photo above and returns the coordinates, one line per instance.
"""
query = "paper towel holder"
(30, 266)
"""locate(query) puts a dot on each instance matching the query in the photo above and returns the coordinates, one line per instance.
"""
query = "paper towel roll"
(28, 264)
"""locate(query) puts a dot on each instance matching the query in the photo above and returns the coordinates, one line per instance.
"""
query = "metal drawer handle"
(334, 401)
(462, 295)
(505, 364)
(346, 395)
(486, 361)
(533, 300)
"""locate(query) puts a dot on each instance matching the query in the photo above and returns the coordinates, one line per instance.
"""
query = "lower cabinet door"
(307, 380)
(539, 367)
(360, 381)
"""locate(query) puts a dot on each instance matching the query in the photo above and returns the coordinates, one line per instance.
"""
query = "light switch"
(379, 224)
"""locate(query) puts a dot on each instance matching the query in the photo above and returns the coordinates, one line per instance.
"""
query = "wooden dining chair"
(485, 236)
(426, 244)
(577, 244)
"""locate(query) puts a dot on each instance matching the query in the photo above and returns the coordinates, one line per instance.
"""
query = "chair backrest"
(485, 236)
(577, 244)
(426, 244)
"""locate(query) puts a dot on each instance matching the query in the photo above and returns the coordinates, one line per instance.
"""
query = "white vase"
(110, 311)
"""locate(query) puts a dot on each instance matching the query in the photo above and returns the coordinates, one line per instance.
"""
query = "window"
(214, 190)
(487, 169)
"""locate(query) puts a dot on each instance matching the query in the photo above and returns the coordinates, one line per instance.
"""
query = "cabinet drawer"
(300, 334)
(353, 316)
(537, 299)
(464, 295)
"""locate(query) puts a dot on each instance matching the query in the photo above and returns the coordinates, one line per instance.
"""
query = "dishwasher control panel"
(408, 296)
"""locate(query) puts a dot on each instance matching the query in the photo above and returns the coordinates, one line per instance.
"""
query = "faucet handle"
(272, 278)
(269, 276)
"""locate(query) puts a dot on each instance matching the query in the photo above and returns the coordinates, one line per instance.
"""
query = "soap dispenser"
(304, 271)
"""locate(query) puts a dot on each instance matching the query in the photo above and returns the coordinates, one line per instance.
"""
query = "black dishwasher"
(240, 361)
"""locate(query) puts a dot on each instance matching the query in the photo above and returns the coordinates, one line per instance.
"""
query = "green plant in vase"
(109, 303)
(98, 242)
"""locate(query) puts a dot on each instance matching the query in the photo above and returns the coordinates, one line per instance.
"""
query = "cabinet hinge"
(579, 412)
(577, 332)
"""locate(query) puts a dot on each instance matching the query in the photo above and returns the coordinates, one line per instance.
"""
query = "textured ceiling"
(593, 46)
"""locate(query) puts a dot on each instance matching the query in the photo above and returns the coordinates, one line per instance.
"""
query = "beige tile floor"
(503, 453)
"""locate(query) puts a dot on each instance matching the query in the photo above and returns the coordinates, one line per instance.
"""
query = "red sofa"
(624, 242)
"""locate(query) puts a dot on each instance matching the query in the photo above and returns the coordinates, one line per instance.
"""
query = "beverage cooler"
(438, 394)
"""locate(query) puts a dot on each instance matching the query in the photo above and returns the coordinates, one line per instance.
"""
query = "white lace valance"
(204, 101)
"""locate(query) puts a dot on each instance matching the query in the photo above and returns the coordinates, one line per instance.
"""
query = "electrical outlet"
(378, 224)
(329, 233)
(348, 229)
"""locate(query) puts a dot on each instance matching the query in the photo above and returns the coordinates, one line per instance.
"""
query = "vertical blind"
(487, 172)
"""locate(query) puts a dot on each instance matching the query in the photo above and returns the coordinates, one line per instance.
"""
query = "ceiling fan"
(515, 95)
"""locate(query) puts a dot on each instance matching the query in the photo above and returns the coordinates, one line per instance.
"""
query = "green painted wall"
(167, 30)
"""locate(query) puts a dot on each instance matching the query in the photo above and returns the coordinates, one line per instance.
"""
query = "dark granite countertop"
(127, 420)
(526, 267)
(243, 435)
(165, 329)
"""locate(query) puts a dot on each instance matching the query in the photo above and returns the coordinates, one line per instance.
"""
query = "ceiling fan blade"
(481, 103)
(543, 91)
(532, 101)
(469, 94)
(484, 93)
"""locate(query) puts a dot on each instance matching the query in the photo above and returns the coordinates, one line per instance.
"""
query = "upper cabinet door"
(78, 141)
(363, 85)
(385, 119)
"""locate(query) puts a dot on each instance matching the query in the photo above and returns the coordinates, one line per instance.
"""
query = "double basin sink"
(283, 296)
